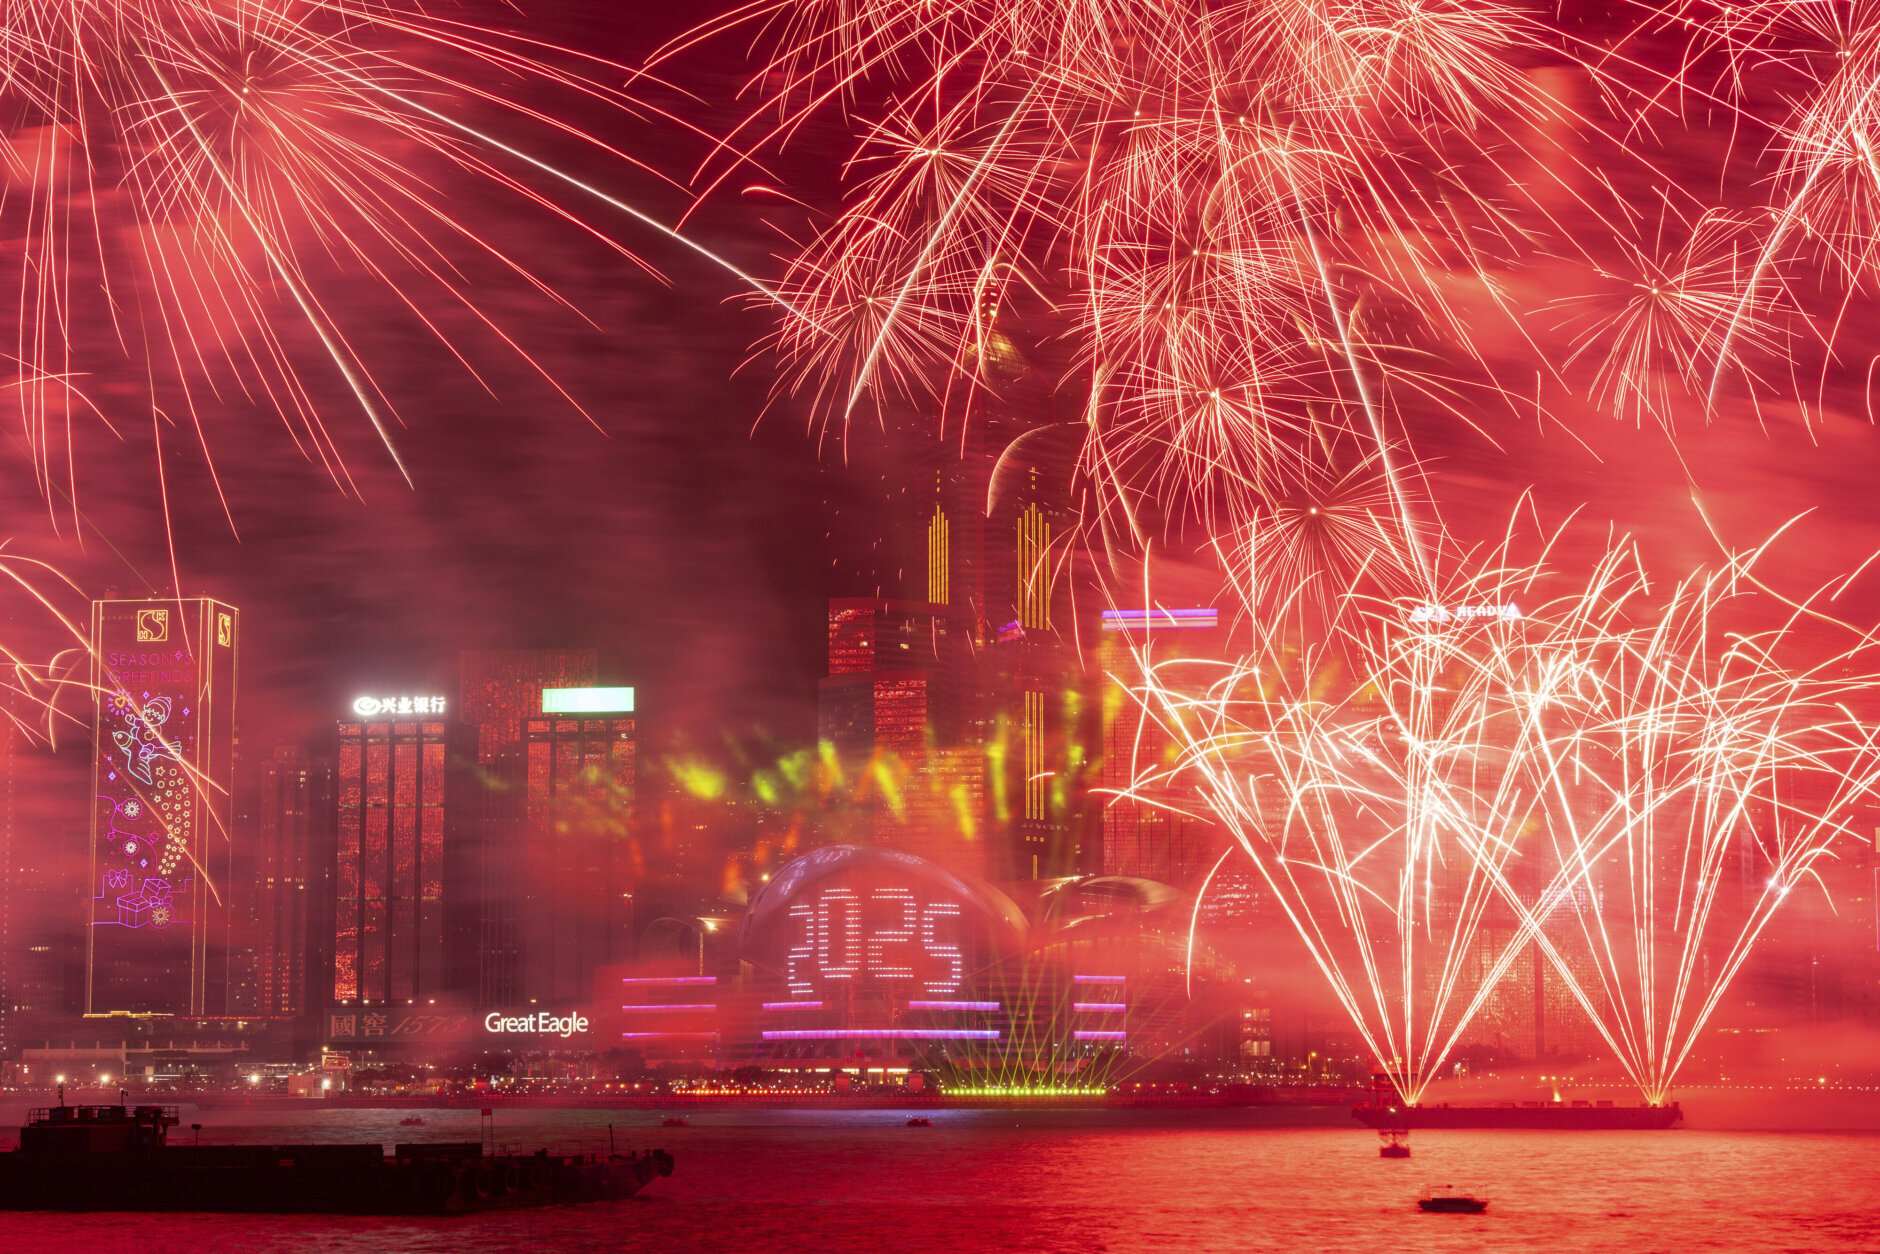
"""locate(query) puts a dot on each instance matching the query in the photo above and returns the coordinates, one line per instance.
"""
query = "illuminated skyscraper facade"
(894, 708)
(404, 868)
(1034, 684)
(499, 688)
(889, 686)
(164, 674)
(573, 777)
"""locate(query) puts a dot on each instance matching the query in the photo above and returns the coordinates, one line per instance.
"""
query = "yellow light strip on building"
(938, 556)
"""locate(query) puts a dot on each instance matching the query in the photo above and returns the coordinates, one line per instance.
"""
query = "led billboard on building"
(861, 938)
(587, 700)
(164, 677)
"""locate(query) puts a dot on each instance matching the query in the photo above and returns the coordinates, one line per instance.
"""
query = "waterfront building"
(294, 806)
(558, 900)
(163, 673)
(406, 866)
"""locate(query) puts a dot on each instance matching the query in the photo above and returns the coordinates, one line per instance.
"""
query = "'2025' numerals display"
(859, 934)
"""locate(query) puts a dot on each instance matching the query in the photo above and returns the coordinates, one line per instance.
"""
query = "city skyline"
(984, 547)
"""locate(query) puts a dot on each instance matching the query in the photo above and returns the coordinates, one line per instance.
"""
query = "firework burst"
(1606, 772)
(200, 188)
(1235, 233)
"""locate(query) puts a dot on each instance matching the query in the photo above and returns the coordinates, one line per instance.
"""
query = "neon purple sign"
(147, 799)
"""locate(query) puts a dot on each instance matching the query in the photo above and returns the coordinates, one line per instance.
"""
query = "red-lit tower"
(498, 688)
(406, 877)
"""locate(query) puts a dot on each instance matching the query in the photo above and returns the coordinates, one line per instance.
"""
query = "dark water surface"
(1087, 1181)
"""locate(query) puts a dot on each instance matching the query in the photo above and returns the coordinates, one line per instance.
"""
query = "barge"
(118, 1158)
(1546, 1116)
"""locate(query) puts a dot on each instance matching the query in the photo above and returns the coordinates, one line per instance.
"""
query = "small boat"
(675, 1121)
(918, 1122)
(1393, 1148)
(1450, 1202)
(411, 1121)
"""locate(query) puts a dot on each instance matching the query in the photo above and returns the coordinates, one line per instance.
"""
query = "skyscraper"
(566, 793)
(296, 791)
(1152, 841)
(498, 688)
(406, 870)
(163, 672)
(14, 926)
(889, 685)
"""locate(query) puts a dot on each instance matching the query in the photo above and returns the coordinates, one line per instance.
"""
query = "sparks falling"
(202, 187)
(1629, 778)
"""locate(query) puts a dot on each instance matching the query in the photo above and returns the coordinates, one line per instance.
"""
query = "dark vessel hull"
(329, 1179)
(1550, 1116)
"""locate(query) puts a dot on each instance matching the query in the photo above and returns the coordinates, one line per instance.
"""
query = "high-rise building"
(889, 682)
(562, 848)
(42, 984)
(1141, 837)
(498, 688)
(406, 873)
(14, 897)
(163, 672)
(294, 787)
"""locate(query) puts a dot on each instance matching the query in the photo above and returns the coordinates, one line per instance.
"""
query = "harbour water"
(1115, 1182)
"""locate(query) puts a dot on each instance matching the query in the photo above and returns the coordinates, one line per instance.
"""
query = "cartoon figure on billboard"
(140, 740)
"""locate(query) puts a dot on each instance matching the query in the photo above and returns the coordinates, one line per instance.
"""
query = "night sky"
(675, 530)
(678, 531)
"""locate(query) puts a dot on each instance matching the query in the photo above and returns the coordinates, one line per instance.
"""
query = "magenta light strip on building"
(669, 1036)
(1099, 979)
(1100, 1007)
(793, 1005)
(654, 1009)
(1100, 1036)
(674, 979)
(1122, 620)
(884, 1034)
(953, 1005)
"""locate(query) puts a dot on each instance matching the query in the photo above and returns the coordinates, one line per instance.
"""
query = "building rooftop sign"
(388, 707)
(587, 700)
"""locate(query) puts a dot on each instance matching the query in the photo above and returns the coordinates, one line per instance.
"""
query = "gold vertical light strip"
(937, 558)
(1034, 584)
(1034, 756)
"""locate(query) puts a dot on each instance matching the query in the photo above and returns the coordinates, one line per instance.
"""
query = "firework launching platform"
(1542, 1116)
